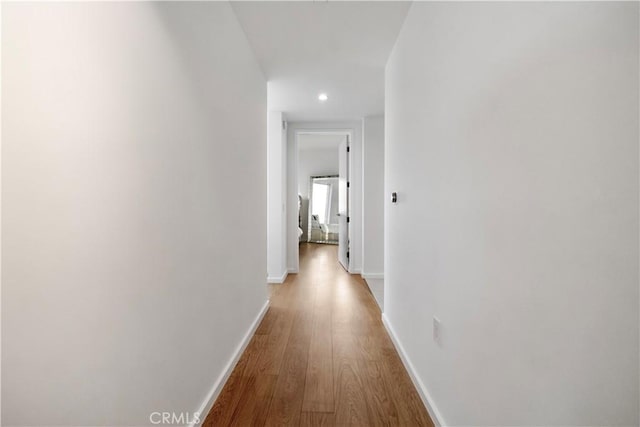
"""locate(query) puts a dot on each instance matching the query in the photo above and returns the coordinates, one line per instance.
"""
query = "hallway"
(321, 356)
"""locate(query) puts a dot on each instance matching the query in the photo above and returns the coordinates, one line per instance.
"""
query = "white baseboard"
(280, 279)
(222, 379)
(293, 270)
(436, 416)
(373, 276)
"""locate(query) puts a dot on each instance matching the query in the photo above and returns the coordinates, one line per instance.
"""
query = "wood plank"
(271, 359)
(371, 346)
(255, 352)
(254, 401)
(379, 400)
(318, 391)
(346, 346)
(317, 419)
(267, 322)
(286, 403)
(351, 404)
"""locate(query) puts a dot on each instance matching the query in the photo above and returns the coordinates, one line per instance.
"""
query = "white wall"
(134, 247)
(512, 141)
(314, 162)
(276, 198)
(373, 196)
(355, 177)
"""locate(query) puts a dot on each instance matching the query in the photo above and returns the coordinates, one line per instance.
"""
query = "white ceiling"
(340, 48)
(314, 141)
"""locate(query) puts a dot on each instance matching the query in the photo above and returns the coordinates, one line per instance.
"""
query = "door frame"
(293, 198)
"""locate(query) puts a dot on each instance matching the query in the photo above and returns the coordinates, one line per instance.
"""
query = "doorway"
(323, 189)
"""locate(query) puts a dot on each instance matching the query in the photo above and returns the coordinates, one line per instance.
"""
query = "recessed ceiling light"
(323, 97)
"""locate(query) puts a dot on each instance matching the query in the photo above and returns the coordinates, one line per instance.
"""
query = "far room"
(322, 199)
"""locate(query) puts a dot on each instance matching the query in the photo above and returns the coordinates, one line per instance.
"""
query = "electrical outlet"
(437, 331)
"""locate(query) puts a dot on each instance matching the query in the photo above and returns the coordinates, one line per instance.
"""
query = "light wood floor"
(321, 356)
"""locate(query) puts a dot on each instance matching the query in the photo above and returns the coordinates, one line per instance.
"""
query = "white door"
(343, 203)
